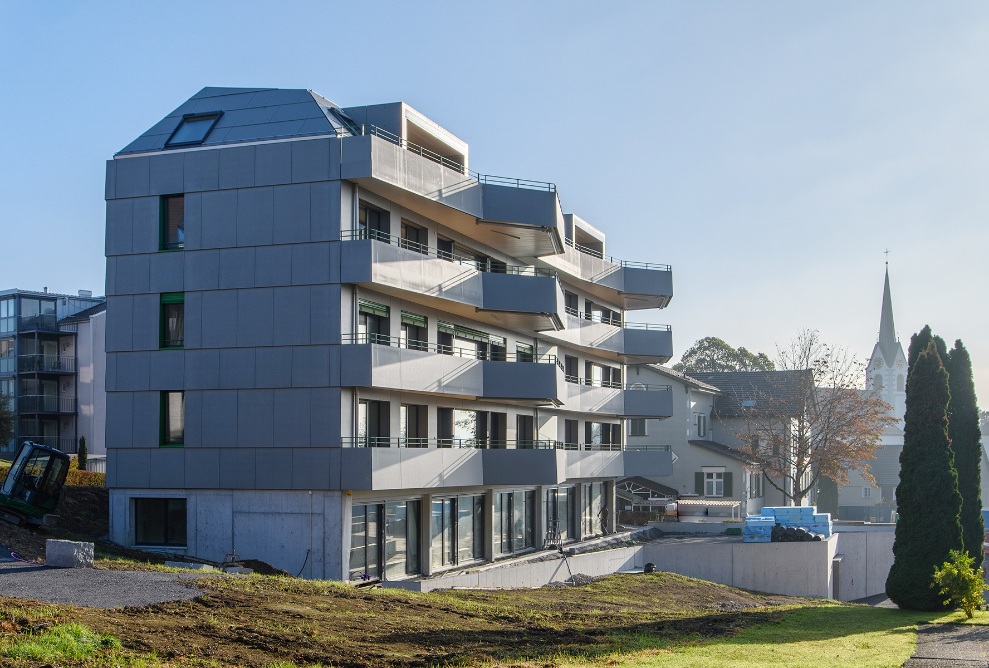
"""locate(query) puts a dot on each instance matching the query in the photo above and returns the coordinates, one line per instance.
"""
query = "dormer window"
(193, 129)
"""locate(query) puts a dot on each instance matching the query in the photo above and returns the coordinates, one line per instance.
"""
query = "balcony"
(517, 216)
(517, 297)
(618, 340)
(616, 400)
(43, 403)
(45, 322)
(631, 285)
(54, 364)
(394, 363)
(64, 443)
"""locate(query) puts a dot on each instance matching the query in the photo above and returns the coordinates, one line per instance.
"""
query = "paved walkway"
(944, 645)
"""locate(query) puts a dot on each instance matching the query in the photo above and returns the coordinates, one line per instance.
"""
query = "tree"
(927, 497)
(6, 420)
(816, 421)
(965, 436)
(714, 355)
(82, 456)
(918, 344)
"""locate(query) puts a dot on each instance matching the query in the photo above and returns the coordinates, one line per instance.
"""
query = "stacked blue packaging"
(758, 529)
(801, 516)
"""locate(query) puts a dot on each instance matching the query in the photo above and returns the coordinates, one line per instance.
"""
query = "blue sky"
(769, 151)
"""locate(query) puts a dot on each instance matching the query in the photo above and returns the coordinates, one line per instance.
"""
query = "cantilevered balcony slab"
(631, 285)
(519, 298)
(410, 468)
(390, 367)
(634, 401)
(594, 464)
(648, 462)
(524, 467)
(521, 218)
(628, 343)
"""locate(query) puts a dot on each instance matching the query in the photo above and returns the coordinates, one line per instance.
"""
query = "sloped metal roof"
(248, 114)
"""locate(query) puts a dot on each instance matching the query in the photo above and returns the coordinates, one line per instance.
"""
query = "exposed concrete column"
(580, 499)
(425, 534)
(610, 500)
(489, 524)
(539, 521)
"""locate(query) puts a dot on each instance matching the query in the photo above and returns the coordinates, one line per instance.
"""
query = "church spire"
(887, 333)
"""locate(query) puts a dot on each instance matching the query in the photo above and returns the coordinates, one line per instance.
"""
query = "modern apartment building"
(334, 347)
(38, 365)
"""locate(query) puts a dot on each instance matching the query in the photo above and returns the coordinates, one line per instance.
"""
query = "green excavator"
(33, 485)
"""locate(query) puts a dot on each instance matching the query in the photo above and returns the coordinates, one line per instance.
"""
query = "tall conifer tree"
(963, 429)
(927, 497)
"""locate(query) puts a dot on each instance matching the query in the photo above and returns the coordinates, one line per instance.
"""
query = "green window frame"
(171, 321)
(171, 222)
(172, 419)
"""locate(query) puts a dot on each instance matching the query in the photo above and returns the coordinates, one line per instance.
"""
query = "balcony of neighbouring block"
(43, 403)
(53, 364)
(394, 363)
(516, 216)
(514, 296)
(617, 400)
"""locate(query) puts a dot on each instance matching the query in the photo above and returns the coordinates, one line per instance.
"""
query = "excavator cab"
(33, 485)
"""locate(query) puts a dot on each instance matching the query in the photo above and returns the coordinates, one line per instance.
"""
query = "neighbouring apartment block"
(39, 366)
(334, 347)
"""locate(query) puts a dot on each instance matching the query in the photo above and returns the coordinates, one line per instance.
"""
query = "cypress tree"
(927, 497)
(918, 344)
(827, 496)
(963, 429)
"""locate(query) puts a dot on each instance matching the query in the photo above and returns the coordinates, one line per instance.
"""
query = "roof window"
(193, 129)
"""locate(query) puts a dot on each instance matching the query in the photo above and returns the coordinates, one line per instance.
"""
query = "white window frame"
(700, 424)
(866, 492)
(631, 427)
(714, 484)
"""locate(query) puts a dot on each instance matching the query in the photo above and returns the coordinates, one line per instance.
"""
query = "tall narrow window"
(415, 336)
(172, 222)
(373, 223)
(172, 321)
(172, 418)
(365, 541)
(637, 427)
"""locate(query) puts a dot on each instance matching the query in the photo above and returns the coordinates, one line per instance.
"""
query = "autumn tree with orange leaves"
(823, 423)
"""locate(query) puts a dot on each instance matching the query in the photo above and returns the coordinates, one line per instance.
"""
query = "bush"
(83, 455)
(85, 478)
(960, 582)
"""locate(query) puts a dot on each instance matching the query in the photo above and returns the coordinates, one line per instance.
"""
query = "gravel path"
(94, 588)
(945, 645)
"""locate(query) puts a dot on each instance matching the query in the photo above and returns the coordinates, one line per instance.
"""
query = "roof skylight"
(193, 129)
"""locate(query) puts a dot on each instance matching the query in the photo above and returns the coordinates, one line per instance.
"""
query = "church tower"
(887, 370)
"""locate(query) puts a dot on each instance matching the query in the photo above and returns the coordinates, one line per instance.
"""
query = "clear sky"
(769, 151)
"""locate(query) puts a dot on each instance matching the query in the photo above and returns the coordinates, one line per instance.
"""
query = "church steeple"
(887, 333)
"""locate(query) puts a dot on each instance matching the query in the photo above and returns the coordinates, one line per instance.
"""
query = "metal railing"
(45, 364)
(64, 443)
(614, 260)
(463, 443)
(616, 322)
(469, 353)
(647, 387)
(529, 184)
(45, 322)
(44, 403)
(490, 266)
(648, 448)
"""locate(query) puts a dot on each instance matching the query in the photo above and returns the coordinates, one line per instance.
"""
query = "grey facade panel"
(236, 268)
(324, 319)
(133, 177)
(133, 274)
(236, 368)
(193, 319)
(193, 221)
(119, 221)
(538, 208)
(219, 319)
(147, 408)
(202, 170)
(648, 404)
(219, 219)
(193, 419)
(167, 175)
(168, 369)
(146, 316)
(324, 210)
(273, 367)
(237, 167)
(220, 430)
(202, 369)
(167, 272)
(167, 468)
(292, 418)
(133, 371)
(325, 407)
(311, 160)
(648, 281)
(311, 264)
(119, 420)
(133, 468)
(292, 316)
(273, 468)
(237, 468)
(255, 317)
(119, 323)
(255, 211)
(291, 207)
(202, 269)
(649, 463)
(202, 468)
(311, 366)
(310, 469)
(272, 266)
(255, 418)
(110, 187)
(147, 229)
(273, 164)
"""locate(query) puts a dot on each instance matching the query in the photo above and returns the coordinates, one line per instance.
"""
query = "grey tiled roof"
(752, 392)
(85, 314)
(683, 378)
(721, 449)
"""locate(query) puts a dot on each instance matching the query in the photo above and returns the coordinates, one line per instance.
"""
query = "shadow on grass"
(777, 627)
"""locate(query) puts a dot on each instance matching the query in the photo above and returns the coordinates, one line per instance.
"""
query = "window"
(372, 323)
(172, 418)
(561, 509)
(7, 314)
(524, 431)
(193, 129)
(866, 492)
(412, 425)
(592, 515)
(514, 519)
(172, 222)
(365, 541)
(701, 422)
(373, 223)
(172, 320)
(570, 302)
(570, 437)
(401, 538)
(524, 352)
(414, 333)
(413, 238)
(714, 484)
(373, 423)
(756, 483)
(160, 522)
(7, 356)
(637, 427)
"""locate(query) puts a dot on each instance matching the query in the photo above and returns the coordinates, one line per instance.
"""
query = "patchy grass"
(63, 642)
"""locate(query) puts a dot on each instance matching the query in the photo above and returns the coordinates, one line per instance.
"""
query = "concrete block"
(68, 554)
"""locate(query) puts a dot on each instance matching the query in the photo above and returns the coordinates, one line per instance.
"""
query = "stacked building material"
(758, 529)
(804, 523)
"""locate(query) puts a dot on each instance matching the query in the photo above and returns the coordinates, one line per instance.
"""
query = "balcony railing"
(46, 364)
(470, 353)
(613, 260)
(64, 443)
(618, 386)
(373, 130)
(467, 443)
(617, 322)
(486, 266)
(45, 322)
(43, 403)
